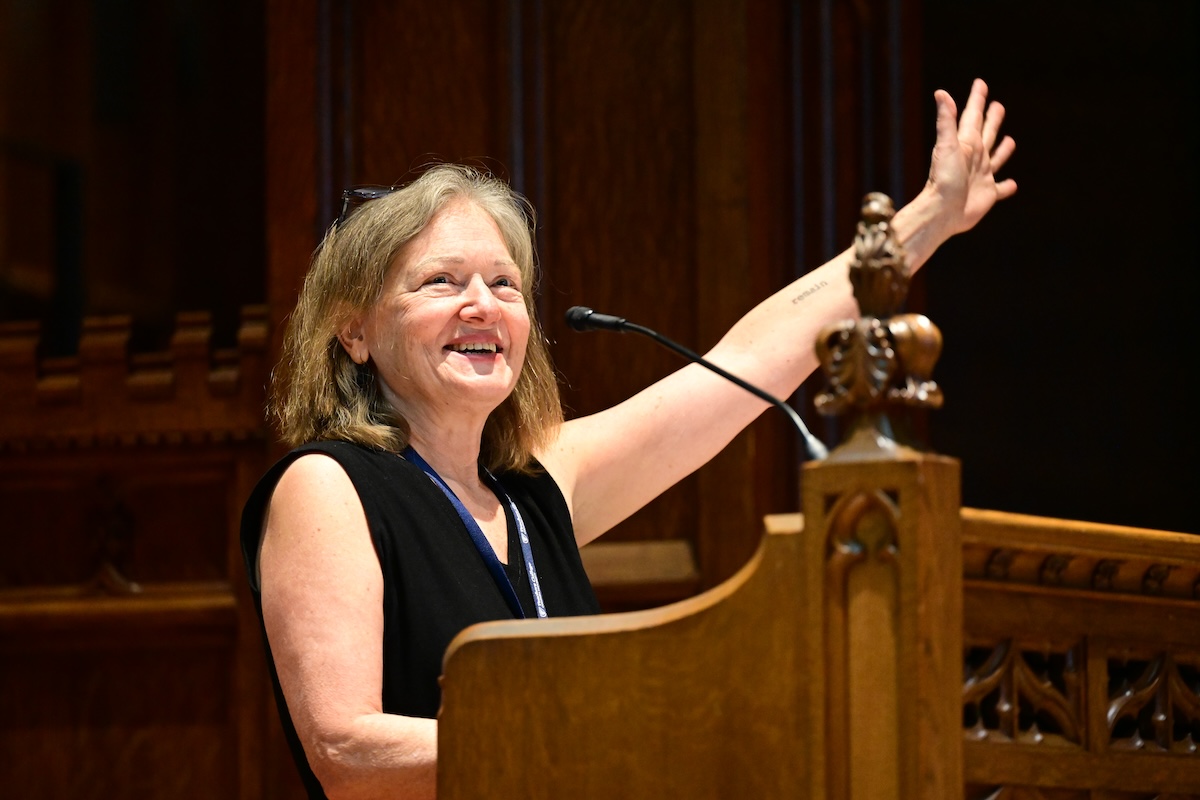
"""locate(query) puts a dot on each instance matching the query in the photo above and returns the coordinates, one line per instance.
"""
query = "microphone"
(584, 319)
(581, 318)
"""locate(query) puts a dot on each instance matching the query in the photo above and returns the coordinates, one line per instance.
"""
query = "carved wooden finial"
(879, 272)
(882, 359)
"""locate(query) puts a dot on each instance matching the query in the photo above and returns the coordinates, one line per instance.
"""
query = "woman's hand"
(962, 172)
(962, 185)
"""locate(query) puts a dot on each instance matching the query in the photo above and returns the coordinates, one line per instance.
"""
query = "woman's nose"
(479, 302)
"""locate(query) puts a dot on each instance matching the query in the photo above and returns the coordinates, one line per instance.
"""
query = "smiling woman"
(434, 482)
(321, 392)
(450, 327)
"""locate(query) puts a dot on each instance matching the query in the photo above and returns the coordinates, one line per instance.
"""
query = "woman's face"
(449, 331)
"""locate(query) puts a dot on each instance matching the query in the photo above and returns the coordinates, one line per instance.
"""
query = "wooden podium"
(817, 671)
(886, 643)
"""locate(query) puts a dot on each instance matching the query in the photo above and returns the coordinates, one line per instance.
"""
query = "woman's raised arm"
(612, 463)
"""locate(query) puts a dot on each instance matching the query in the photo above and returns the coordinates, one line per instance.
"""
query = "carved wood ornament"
(882, 359)
(1019, 696)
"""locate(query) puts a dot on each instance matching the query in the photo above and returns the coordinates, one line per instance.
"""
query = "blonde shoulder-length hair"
(319, 393)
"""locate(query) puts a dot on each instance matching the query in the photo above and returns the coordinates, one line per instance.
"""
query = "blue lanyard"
(481, 543)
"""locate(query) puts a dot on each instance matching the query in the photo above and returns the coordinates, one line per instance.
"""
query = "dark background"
(1069, 365)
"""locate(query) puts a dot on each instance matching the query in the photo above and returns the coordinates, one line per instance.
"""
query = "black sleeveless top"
(435, 582)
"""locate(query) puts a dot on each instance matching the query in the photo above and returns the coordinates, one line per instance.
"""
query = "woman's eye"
(439, 279)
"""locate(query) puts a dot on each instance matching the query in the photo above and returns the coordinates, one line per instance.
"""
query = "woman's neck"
(452, 450)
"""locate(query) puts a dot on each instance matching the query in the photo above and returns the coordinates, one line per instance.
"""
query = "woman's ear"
(354, 341)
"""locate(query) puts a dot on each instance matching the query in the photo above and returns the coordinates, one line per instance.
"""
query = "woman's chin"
(483, 386)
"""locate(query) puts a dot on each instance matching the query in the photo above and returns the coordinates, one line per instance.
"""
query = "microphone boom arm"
(582, 318)
(816, 447)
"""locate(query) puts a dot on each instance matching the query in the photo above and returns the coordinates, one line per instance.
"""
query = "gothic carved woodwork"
(861, 606)
(106, 397)
(1154, 705)
(887, 547)
(130, 656)
(1081, 665)
(883, 358)
(1018, 696)
(1015, 694)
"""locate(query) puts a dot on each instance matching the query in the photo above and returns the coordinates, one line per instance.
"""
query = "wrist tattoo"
(809, 292)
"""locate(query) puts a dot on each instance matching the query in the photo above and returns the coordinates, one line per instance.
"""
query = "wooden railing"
(889, 646)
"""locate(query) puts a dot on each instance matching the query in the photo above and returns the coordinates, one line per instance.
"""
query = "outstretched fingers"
(972, 116)
(947, 119)
(1006, 189)
(1002, 152)
(969, 151)
(991, 125)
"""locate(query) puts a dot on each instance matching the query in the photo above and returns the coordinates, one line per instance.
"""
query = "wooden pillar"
(882, 562)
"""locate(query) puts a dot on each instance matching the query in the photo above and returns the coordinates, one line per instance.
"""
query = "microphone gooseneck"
(581, 318)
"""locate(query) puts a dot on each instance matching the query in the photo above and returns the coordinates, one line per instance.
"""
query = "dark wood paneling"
(119, 507)
(428, 82)
(291, 158)
(131, 153)
(133, 721)
(619, 209)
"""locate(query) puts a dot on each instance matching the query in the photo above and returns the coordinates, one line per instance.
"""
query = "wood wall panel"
(126, 636)
(116, 506)
(618, 212)
(428, 82)
(292, 153)
(128, 722)
(744, 249)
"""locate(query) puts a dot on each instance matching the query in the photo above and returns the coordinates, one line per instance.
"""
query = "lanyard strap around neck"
(481, 543)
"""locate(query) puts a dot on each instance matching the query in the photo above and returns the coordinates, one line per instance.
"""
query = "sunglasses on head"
(355, 196)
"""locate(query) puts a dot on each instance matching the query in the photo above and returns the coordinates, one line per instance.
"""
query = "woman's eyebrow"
(450, 259)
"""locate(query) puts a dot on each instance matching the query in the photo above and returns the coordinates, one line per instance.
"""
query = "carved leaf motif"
(882, 358)
(1104, 573)
(879, 272)
(1155, 577)
(859, 362)
(998, 563)
(1050, 572)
